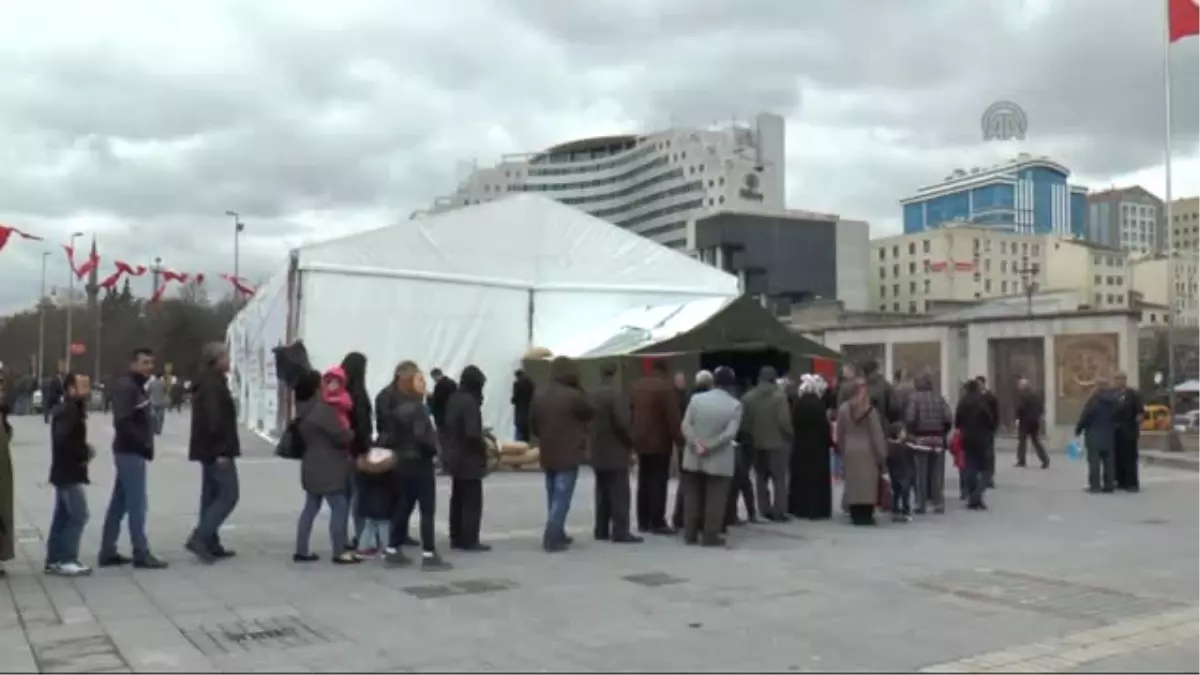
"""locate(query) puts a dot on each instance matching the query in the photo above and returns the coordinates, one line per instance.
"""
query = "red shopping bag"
(956, 449)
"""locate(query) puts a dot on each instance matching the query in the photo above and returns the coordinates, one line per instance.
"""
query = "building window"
(1004, 267)
(883, 254)
(912, 287)
(987, 285)
(1003, 247)
(1099, 280)
(721, 180)
(711, 182)
(1099, 299)
(882, 272)
(883, 291)
(895, 251)
(987, 264)
(912, 268)
(895, 289)
(896, 307)
(1004, 287)
(976, 246)
(1036, 249)
(1024, 247)
(895, 270)
(925, 246)
(912, 248)
(883, 308)
(912, 307)
(721, 199)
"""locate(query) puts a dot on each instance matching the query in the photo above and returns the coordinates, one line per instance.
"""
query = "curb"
(1171, 462)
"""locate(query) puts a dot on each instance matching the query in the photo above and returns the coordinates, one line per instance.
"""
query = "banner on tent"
(258, 328)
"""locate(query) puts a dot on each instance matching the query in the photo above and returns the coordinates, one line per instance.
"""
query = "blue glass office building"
(1028, 194)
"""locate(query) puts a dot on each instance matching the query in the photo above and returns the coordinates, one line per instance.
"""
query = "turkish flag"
(6, 232)
(90, 264)
(131, 270)
(172, 275)
(1183, 18)
(111, 280)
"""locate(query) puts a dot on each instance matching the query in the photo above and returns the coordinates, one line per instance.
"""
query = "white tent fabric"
(638, 328)
(481, 285)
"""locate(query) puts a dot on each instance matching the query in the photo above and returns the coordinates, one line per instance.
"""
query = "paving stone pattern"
(1050, 579)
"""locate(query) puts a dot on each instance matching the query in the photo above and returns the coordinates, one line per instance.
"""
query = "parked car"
(1188, 421)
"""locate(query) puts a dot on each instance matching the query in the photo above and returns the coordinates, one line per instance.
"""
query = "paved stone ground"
(1050, 579)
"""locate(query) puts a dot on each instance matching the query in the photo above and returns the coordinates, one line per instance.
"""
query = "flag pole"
(1168, 213)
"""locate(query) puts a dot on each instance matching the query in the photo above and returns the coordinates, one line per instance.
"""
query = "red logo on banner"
(78, 349)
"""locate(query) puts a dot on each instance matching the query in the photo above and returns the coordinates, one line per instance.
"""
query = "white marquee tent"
(478, 285)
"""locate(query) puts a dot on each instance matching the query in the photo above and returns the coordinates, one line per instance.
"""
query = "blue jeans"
(353, 492)
(219, 493)
(339, 507)
(374, 534)
(560, 488)
(128, 498)
(66, 525)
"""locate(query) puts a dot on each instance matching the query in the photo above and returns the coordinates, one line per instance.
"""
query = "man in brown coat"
(559, 419)
(610, 447)
(656, 420)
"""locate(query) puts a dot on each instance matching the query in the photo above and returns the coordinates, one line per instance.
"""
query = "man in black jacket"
(1029, 423)
(133, 450)
(443, 387)
(213, 443)
(466, 455)
(993, 406)
(404, 427)
(70, 454)
(1128, 424)
(523, 390)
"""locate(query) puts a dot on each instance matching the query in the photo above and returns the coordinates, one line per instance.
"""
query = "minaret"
(93, 284)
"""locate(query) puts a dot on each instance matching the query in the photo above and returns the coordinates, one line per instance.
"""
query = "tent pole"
(529, 322)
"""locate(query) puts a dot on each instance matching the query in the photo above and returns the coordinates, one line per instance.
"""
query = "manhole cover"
(432, 592)
(464, 587)
(654, 579)
(473, 586)
(271, 633)
(1056, 597)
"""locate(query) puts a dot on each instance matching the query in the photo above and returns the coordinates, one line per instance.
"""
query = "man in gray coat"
(1098, 426)
(768, 425)
(156, 390)
(710, 425)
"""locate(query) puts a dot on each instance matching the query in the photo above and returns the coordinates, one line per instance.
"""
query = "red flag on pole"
(92, 262)
(133, 271)
(1183, 19)
(6, 232)
(111, 280)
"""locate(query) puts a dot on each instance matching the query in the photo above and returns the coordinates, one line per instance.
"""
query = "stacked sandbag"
(517, 455)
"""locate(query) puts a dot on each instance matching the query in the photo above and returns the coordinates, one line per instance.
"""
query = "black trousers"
(741, 485)
(1027, 432)
(704, 499)
(654, 475)
(612, 504)
(417, 489)
(862, 514)
(466, 511)
(1126, 460)
(975, 474)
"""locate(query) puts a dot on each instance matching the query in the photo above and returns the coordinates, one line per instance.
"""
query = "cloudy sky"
(144, 121)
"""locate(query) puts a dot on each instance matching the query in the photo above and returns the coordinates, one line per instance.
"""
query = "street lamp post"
(42, 322)
(238, 228)
(70, 298)
(1029, 274)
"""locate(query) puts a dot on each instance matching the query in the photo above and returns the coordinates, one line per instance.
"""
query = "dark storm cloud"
(154, 121)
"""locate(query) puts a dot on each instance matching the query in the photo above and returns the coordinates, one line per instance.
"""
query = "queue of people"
(373, 461)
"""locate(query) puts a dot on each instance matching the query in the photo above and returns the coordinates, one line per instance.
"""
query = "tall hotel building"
(656, 185)
(1028, 195)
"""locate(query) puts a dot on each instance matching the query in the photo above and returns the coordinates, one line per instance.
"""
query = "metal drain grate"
(456, 588)
(1044, 595)
(654, 579)
(272, 633)
(92, 654)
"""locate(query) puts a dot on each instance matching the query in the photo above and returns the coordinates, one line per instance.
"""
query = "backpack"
(291, 443)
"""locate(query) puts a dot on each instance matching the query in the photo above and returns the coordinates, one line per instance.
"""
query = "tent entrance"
(747, 362)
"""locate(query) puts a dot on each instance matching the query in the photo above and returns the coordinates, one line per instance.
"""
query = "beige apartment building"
(1153, 278)
(965, 263)
(1185, 225)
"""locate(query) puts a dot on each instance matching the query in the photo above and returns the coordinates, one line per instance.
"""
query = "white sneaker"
(73, 569)
(50, 568)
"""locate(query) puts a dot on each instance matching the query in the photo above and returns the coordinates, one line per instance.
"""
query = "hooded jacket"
(1098, 422)
(355, 368)
(765, 416)
(560, 417)
(324, 467)
(465, 448)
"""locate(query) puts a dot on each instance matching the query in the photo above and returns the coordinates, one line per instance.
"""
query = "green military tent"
(739, 333)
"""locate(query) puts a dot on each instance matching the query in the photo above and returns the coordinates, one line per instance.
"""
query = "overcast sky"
(143, 121)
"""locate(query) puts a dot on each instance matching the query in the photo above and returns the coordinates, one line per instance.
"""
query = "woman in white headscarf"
(810, 493)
